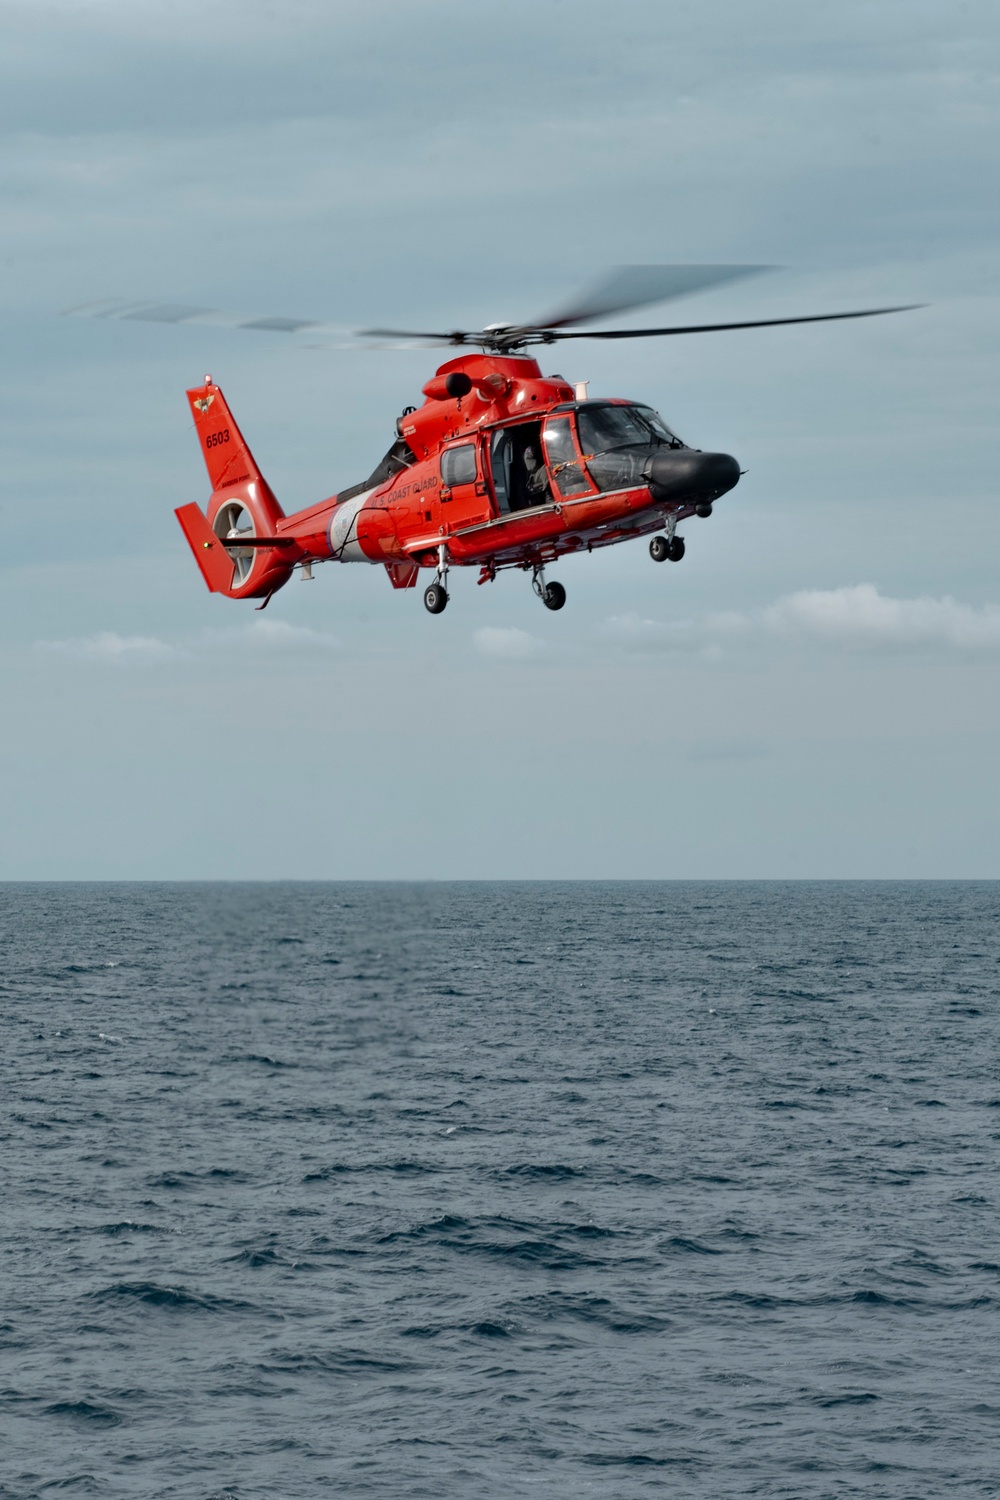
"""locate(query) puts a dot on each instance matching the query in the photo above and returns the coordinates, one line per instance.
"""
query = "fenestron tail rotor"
(232, 523)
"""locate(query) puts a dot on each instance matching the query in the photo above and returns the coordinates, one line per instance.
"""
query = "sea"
(500, 1190)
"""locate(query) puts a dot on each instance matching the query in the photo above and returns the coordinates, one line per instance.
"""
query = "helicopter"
(501, 467)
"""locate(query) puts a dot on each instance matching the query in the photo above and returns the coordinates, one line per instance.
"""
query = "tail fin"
(215, 562)
(227, 457)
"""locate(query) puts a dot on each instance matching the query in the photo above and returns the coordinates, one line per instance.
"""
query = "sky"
(811, 693)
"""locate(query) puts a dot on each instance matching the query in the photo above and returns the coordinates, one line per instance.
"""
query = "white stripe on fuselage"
(344, 542)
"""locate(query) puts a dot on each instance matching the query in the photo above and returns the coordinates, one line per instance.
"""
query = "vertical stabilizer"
(227, 457)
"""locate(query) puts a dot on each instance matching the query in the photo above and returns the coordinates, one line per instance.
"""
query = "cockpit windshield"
(660, 427)
(605, 429)
(618, 441)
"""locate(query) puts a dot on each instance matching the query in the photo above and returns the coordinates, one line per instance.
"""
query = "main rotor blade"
(620, 290)
(179, 312)
(637, 286)
(457, 335)
(646, 333)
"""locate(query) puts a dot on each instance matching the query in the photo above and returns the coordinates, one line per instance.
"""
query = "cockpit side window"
(563, 458)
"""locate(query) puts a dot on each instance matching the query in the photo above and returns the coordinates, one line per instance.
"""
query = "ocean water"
(500, 1190)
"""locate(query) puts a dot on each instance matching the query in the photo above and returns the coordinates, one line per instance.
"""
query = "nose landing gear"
(669, 547)
(666, 548)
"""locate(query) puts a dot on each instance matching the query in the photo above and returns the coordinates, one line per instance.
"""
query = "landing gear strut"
(552, 595)
(669, 547)
(436, 593)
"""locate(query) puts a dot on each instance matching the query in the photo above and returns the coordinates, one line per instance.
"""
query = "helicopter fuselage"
(501, 467)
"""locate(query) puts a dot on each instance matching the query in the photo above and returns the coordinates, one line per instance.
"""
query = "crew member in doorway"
(537, 486)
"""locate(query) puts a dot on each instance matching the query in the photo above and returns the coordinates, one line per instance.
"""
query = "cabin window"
(458, 465)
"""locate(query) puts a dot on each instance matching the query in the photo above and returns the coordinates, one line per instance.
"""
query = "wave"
(589, 1309)
(690, 1246)
(333, 1362)
(635, 1460)
(180, 1181)
(344, 1169)
(492, 1330)
(848, 1398)
(175, 1298)
(545, 1172)
(257, 1258)
(90, 1412)
(130, 1226)
(503, 1239)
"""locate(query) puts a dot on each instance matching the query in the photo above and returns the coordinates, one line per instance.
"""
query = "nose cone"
(683, 474)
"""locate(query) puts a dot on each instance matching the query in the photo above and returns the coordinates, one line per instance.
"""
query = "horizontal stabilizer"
(259, 541)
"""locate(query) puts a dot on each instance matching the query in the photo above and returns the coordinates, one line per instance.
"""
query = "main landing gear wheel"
(435, 598)
(666, 548)
(554, 596)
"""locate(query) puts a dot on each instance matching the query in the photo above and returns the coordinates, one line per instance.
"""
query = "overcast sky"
(811, 692)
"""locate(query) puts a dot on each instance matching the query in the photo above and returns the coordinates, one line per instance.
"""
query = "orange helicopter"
(501, 467)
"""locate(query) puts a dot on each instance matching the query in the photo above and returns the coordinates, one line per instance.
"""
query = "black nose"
(684, 474)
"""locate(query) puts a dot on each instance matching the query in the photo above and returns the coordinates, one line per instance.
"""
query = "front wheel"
(659, 549)
(675, 548)
(554, 596)
(435, 598)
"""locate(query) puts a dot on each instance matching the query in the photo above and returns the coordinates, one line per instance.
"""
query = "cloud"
(109, 646)
(854, 616)
(859, 615)
(255, 636)
(268, 635)
(633, 632)
(506, 642)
